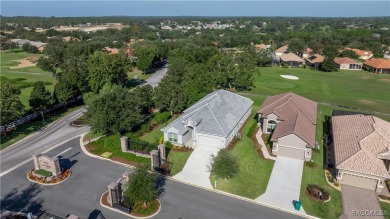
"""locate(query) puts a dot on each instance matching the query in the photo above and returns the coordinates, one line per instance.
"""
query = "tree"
(75, 71)
(30, 48)
(328, 65)
(144, 96)
(104, 68)
(54, 52)
(349, 53)
(64, 91)
(114, 110)
(145, 53)
(141, 187)
(296, 45)
(40, 98)
(11, 106)
(225, 165)
(264, 59)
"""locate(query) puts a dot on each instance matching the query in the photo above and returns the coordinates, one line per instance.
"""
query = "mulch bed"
(65, 175)
(142, 215)
(104, 199)
(314, 193)
(256, 144)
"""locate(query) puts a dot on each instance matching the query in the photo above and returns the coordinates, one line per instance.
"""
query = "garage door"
(357, 181)
(291, 152)
(204, 140)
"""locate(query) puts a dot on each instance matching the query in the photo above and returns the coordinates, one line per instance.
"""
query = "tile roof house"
(280, 51)
(261, 47)
(363, 54)
(291, 120)
(347, 63)
(213, 121)
(379, 66)
(314, 60)
(361, 150)
(291, 59)
(307, 52)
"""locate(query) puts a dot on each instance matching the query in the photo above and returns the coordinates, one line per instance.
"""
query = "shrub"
(168, 144)
(43, 172)
(138, 145)
(159, 118)
(161, 140)
(336, 184)
(145, 128)
(251, 130)
(225, 165)
(311, 163)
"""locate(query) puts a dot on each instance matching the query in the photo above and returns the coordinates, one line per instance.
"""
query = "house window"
(271, 126)
(172, 137)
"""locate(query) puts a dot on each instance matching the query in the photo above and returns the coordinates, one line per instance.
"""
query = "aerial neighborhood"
(195, 116)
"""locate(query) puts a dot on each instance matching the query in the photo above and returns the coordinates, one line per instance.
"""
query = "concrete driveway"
(196, 170)
(357, 200)
(284, 185)
(156, 77)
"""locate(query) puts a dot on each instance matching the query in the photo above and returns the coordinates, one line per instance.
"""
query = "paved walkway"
(196, 170)
(357, 199)
(284, 185)
(263, 146)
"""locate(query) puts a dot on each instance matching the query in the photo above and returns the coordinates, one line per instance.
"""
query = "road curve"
(57, 132)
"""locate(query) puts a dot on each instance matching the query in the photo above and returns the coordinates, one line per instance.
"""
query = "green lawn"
(385, 207)
(359, 89)
(178, 160)
(112, 145)
(254, 173)
(31, 74)
(156, 133)
(140, 74)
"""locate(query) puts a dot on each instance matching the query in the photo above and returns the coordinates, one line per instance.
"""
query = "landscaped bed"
(44, 177)
(137, 210)
(317, 193)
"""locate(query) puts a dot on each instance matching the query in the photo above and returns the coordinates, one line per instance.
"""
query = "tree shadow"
(160, 185)
(67, 164)
(23, 201)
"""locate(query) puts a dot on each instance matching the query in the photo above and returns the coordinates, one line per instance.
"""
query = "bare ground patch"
(384, 80)
(25, 62)
(367, 102)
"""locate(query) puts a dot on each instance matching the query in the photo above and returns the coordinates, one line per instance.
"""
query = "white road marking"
(43, 152)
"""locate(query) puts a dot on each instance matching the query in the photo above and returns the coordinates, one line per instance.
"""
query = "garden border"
(48, 184)
(129, 215)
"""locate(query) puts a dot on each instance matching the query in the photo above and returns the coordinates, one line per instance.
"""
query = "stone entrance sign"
(46, 163)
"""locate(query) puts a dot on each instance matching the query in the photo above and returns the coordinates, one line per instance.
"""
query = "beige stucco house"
(348, 64)
(361, 146)
(291, 120)
(213, 121)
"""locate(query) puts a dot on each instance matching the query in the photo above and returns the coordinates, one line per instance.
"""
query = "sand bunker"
(23, 63)
(291, 77)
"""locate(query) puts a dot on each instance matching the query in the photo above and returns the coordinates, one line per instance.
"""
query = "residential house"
(314, 60)
(111, 51)
(262, 47)
(291, 120)
(21, 42)
(361, 146)
(378, 66)
(347, 63)
(280, 51)
(213, 121)
(307, 52)
(363, 54)
(291, 59)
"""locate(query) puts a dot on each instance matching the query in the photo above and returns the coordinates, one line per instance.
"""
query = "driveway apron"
(284, 185)
(196, 170)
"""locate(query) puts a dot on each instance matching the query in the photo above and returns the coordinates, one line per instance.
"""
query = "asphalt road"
(59, 132)
(156, 77)
(80, 194)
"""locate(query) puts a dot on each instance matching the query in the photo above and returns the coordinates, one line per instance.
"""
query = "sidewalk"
(263, 146)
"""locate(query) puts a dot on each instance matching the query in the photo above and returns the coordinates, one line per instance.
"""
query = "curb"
(51, 184)
(37, 133)
(243, 198)
(129, 215)
(200, 187)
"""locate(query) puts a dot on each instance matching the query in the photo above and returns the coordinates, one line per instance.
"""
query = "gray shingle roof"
(216, 114)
